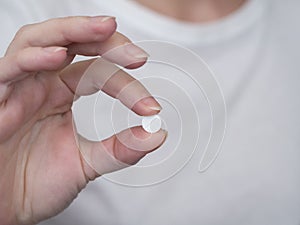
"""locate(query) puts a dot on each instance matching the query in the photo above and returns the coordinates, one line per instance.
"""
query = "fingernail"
(165, 136)
(55, 49)
(152, 104)
(166, 133)
(101, 19)
(135, 51)
(156, 108)
(108, 18)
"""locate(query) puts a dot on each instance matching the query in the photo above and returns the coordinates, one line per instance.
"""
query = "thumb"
(119, 151)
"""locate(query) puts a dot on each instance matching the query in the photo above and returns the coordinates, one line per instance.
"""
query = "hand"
(42, 169)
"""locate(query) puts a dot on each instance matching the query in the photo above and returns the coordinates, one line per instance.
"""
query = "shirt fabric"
(254, 54)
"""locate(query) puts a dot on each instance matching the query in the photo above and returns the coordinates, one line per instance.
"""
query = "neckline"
(169, 29)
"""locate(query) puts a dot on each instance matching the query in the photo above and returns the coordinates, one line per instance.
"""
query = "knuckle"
(54, 21)
(22, 62)
(22, 32)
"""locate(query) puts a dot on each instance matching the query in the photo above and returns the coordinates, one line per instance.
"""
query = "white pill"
(151, 124)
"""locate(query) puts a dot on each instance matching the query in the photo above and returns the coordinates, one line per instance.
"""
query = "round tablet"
(151, 124)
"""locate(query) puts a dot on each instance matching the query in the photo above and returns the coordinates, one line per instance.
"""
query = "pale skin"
(42, 167)
(194, 11)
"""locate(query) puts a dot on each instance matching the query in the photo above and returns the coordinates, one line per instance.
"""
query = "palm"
(43, 151)
(42, 169)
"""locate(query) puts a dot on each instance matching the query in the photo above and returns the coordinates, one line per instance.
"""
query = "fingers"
(63, 31)
(88, 36)
(88, 77)
(16, 66)
(113, 154)
(117, 49)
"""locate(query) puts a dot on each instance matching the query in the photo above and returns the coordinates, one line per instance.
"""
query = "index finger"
(63, 31)
(88, 77)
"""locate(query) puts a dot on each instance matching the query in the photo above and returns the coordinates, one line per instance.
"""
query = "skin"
(195, 11)
(42, 168)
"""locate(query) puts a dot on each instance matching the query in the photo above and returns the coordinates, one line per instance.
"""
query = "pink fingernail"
(101, 19)
(135, 51)
(152, 104)
(55, 49)
(107, 18)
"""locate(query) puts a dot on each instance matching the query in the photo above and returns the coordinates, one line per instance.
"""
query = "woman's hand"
(42, 169)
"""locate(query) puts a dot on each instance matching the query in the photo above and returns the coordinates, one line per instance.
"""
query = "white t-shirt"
(254, 55)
